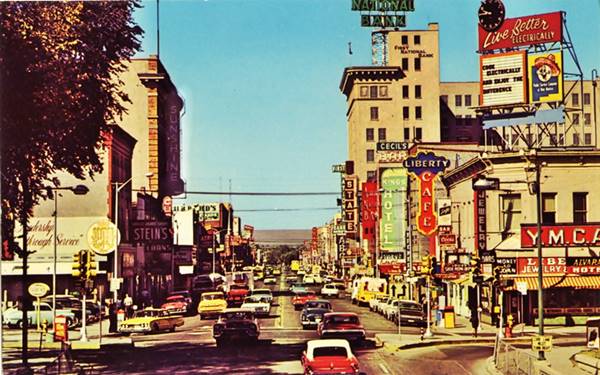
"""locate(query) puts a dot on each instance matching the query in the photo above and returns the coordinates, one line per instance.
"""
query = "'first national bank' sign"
(383, 13)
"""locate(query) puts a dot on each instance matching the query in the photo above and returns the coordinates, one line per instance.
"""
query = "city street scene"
(300, 187)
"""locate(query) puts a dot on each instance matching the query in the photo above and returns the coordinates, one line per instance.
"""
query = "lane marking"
(384, 368)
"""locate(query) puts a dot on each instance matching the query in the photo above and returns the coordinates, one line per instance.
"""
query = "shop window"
(405, 92)
(381, 134)
(370, 156)
(418, 113)
(417, 64)
(458, 100)
(370, 135)
(417, 39)
(374, 113)
(405, 113)
(579, 208)
(548, 208)
(511, 213)
(586, 99)
(418, 91)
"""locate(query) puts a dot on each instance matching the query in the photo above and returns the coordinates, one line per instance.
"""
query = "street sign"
(103, 237)
(38, 290)
(541, 343)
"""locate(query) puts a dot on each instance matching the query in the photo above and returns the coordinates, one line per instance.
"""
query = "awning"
(464, 281)
(577, 282)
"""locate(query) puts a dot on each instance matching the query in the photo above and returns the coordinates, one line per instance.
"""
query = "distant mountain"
(274, 237)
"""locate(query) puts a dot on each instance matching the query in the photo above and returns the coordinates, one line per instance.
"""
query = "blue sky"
(260, 79)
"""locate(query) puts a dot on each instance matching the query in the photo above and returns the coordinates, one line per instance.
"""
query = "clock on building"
(491, 15)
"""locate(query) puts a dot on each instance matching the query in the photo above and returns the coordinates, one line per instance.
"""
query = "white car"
(308, 279)
(391, 309)
(318, 279)
(374, 302)
(13, 317)
(263, 293)
(270, 280)
(381, 306)
(258, 304)
(330, 290)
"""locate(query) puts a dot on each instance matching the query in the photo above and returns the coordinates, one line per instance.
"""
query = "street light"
(77, 190)
(214, 250)
(118, 187)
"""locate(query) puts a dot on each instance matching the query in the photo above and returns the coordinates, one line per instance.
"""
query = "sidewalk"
(567, 343)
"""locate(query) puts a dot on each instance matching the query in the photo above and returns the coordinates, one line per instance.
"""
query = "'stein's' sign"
(565, 235)
(502, 78)
(383, 13)
(523, 31)
(426, 167)
(545, 72)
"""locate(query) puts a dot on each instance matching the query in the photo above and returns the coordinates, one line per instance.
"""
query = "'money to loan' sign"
(426, 167)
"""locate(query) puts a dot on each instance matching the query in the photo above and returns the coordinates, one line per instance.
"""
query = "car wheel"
(73, 322)
(173, 328)
(155, 328)
(20, 324)
(220, 342)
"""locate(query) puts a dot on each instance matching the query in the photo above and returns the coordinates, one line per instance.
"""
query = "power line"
(288, 209)
(259, 193)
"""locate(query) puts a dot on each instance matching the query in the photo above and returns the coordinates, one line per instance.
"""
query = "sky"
(260, 80)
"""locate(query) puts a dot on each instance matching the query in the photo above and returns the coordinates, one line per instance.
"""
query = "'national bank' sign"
(386, 12)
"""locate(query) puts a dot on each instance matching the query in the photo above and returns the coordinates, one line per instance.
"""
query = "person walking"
(474, 321)
(128, 302)
(112, 317)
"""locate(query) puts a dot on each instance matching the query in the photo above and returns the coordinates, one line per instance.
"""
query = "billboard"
(503, 78)
(561, 235)
(350, 205)
(523, 31)
(545, 72)
(392, 229)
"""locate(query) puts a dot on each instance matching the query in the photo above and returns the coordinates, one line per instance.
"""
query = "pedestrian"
(128, 302)
(474, 321)
(112, 317)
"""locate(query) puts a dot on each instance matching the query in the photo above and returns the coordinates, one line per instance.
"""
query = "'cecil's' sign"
(563, 235)
(426, 167)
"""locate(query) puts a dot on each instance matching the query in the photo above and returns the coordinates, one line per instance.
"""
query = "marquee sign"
(426, 167)
(503, 78)
(561, 235)
(555, 265)
(523, 31)
(383, 13)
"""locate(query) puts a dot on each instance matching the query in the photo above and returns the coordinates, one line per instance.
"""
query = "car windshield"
(237, 315)
(317, 305)
(349, 319)
(176, 299)
(211, 297)
(238, 287)
(255, 299)
(148, 313)
(329, 286)
(330, 351)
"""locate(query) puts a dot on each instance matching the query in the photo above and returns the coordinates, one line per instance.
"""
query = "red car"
(301, 297)
(237, 294)
(332, 356)
(176, 304)
(341, 325)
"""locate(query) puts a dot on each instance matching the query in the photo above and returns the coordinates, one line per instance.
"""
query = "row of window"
(406, 89)
(374, 91)
(416, 64)
(511, 209)
(458, 100)
(556, 140)
(416, 40)
(575, 99)
(382, 134)
(587, 118)
(405, 113)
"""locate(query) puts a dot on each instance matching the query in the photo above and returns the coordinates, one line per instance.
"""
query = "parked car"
(72, 303)
(13, 317)
(330, 290)
(211, 304)
(341, 325)
(176, 304)
(390, 309)
(236, 323)
(301, 298)
(381, 306)
(330, 356)
(373, 303)
(263, 292)
(257, 303)
(313, 311)
(411, 313)
(150, 320)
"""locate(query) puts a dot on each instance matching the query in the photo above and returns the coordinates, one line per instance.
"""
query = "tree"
(59, 87)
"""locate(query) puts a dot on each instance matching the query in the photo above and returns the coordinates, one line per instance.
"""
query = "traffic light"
(90, 266)
(78, 266)
(425, 265)
(475, 265)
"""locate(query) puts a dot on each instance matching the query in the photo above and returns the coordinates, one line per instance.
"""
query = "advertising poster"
(503, 78)
(392, 229)
(545, 77)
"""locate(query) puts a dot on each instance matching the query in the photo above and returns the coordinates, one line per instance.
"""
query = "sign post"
(38, 290)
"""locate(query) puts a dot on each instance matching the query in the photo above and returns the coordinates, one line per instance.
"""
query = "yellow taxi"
(211, 304)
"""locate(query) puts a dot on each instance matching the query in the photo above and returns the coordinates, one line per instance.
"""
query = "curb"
(586, 363)
(75, 345)
(421, 344)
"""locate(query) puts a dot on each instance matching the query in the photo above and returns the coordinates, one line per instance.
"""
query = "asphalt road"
(191, 349)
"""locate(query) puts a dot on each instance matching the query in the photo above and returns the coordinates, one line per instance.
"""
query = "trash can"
(449, 317)
(592, 327)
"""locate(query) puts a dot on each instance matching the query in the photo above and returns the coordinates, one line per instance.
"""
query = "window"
(374, 113)
(586, 99)
(364, 91)
(406, 134)
(548, 208)
(458, 100)
(417, 39)
(575, 118)
(405, 92)
(405, 111)
(404, 39)
(371, 175)
(575, 139)
(587, 138)
(418, 134)
(370, 134)
(405, 63)
(418, 113)
(381, 134)
(417, 64)
(587, 119)
(575, 99)
(511, 213)
(373, 91)
(467, 100)
(445, 98)
(370, 156)
(579, 208)
(418, 91)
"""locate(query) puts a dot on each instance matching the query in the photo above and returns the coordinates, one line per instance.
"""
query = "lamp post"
(77, 190)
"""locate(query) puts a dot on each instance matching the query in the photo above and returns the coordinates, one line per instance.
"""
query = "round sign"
(103, 237)
(38, 290)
